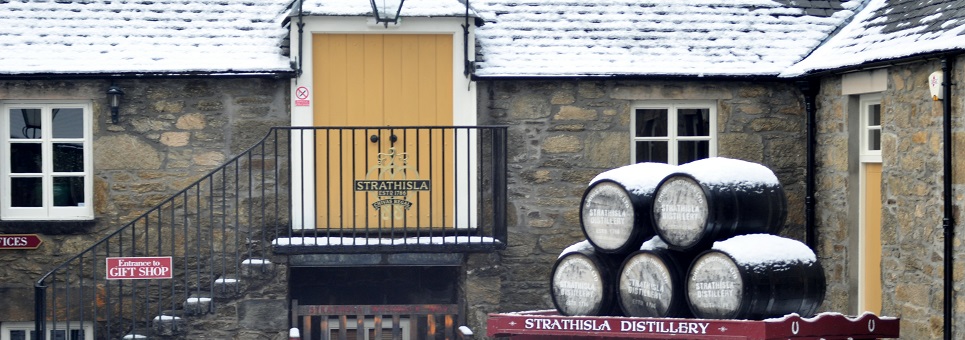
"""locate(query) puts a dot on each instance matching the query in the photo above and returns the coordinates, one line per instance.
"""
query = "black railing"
(297, 191)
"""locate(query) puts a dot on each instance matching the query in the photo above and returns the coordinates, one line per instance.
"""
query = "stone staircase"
(172, 324)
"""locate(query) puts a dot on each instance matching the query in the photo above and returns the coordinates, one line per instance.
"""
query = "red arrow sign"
(20, 241)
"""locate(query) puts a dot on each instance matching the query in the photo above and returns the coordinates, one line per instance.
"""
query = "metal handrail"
(249, 207)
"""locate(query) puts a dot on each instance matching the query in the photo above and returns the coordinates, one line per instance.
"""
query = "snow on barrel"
(755, 277)
(650, 283)
(715, 198)
(616, 206)
(581, 282)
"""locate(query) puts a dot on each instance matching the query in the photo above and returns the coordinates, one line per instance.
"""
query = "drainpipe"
(948, 222)
(810, 90)
(301, 26)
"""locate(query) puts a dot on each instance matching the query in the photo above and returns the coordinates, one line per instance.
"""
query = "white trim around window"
(871, 114)
(25, 331)
(47, 160)
(673, 132)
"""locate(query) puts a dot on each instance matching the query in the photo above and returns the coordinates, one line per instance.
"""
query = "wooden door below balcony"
(387, 178)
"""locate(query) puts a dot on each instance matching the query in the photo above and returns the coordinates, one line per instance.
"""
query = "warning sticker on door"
(301, 96)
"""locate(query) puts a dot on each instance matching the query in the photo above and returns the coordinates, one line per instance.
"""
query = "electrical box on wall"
(935, 81)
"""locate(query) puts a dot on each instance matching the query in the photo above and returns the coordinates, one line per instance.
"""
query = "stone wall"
(912, 236)
(171, 132)
(564, 132)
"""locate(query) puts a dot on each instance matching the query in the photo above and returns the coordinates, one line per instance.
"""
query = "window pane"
(25, 123)
(18, 335)
(690, 151)
(68, 157)
(68, 191)
(25, 158)
(27, 192)
(874, 115)
(874, 140)
(651, 123)
(652, 151)
(76, 334)
(58, 334)
(68, 123)
(693, 122)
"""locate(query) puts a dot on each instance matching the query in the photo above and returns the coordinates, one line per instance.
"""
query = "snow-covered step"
(198, 305)
(226, 287)
(255, 267)
(167, 324)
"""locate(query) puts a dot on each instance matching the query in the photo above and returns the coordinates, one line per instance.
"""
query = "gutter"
(157, 75)
(948, 222)
(810, 89)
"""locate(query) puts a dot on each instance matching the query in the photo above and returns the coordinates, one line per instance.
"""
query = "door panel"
(383, 81)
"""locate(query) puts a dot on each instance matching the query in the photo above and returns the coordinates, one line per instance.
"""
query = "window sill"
(54, 227)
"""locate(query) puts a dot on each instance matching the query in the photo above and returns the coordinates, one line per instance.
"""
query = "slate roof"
(660, 37)
(142, 36)
(891, 29)
(521, 38)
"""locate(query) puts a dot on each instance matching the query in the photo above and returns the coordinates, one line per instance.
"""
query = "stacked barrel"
(695, 240)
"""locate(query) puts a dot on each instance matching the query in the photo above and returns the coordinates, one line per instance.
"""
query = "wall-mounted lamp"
(114, 94)
(386, 11)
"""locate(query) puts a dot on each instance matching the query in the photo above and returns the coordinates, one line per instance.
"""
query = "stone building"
(580, 88)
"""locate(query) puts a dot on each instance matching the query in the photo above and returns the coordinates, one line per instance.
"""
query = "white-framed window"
(870, 127)
(62, 331)
(674, 132)
(46, 171)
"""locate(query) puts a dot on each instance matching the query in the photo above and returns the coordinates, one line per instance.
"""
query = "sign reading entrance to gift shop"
(392, 180)
(138, 268)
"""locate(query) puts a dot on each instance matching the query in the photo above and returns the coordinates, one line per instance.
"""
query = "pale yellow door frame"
(869, 252)
(462, 93)
(386, 81)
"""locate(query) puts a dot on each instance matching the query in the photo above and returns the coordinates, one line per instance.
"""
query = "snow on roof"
(658, 37)
(890, 29)
(410, 8)
(142, 36)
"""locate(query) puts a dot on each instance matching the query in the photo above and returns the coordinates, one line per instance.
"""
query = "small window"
(62, 331)
(674, 132)
(46, 151)
(871, 127)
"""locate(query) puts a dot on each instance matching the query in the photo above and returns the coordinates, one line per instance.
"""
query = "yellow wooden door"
(386, 177)
(869, 291)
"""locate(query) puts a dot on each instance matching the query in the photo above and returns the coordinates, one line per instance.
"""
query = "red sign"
(20, 241)
(548, 325)
(302, 93)
(137, 268)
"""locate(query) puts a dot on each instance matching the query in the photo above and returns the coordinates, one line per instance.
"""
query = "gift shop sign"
(18, 241)
(135, 268)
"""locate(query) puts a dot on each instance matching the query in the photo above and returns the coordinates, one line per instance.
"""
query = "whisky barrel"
(582, 282)
(717, 198)
(650, 282)
(755, 277)
(615, 209)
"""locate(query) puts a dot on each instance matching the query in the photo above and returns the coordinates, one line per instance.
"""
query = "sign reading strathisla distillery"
(393, 191)
(138, 268)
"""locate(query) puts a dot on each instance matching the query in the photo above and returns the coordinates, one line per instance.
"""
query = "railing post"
(40, 310)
